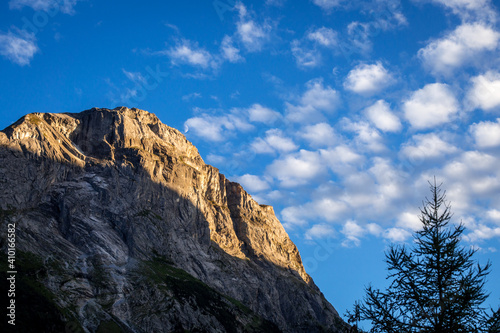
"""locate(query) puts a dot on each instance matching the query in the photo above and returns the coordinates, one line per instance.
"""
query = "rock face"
(123, 227)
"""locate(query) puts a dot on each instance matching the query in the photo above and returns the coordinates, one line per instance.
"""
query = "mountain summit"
(121, 227)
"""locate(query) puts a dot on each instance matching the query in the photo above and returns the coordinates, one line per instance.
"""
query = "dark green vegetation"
(436, 286)
(36, 310)
(186, 288)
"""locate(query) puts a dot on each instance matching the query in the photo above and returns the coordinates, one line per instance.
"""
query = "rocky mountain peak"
(126, 220)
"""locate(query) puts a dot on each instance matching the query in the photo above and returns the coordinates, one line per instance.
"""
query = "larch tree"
(436, 286)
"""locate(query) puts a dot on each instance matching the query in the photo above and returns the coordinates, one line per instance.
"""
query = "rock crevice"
(135, 230)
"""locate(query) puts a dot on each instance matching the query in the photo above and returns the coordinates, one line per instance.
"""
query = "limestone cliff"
(123, 226)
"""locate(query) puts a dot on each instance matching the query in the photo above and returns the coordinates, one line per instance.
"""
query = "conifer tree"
(436, 285)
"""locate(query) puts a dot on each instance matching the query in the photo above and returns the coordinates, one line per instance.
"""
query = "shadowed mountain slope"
(121, 226)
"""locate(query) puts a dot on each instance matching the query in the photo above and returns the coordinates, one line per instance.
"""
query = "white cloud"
(305, 57)
(472, 181)
(482, 232)
(274, 141)
(470, 9)
(315, 100)
(296, 169)
(367, 137)
(216, 159)
(319, 97)
(494, 215)
(216, 128)
(19, 48)
(324, 36)
(368, 79)
(321, 134)
(259, 113)
(136, 77)
(65, 6)
(397, 235)
(320, 231)
(253, 183)
(252, 35)
(327, 5)
(353, 232)
(277, 3)
(381, 116)
(389, 182)
(359, 38)
(351, 228)
(189, 53)
(385, 15)
(229, 51)
(325, 209)
(409, 220)
(485, 91)
(486, 134)
(431, 106)
(463, 46)
(191, 96)
(427, 146)
(374, 229)
(340, 158)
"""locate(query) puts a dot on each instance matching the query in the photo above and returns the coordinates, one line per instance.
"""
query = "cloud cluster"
(216, 128)
(307, 51)
(382, 117)
(463, 46)
(253, 35)
(483, 92)
(19, 47)
(427, 146)
(297, 169)
(314, 103)
(65, 6)
(253, 183)
(368, 79)
(187, 52)
(433, 105)
(328, 5)
(470, 10)
(349, 157)
(249, 35)
(274, 141)
(486, 134)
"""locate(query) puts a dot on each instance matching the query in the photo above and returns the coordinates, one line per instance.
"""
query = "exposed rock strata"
(133, 229)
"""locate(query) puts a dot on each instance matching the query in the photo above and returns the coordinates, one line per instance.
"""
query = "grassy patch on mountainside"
(187, 288)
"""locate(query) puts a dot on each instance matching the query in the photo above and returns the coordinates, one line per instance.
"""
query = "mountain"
(121, 227)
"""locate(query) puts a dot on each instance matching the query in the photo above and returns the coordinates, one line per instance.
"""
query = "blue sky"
(335, 112)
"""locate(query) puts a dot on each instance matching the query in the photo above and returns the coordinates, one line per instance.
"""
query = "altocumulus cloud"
(433, 105)
(297, 168)
(65, 6)
(484, 91)
(251, 34)
(463, 46)
(216, 128)
(486, 134)
(316, 100)
(368, 79)
(382, 117)
(427, 146)
(253, 183)
(19, 47)
(480, 10)
(187, 52)
(274, 141)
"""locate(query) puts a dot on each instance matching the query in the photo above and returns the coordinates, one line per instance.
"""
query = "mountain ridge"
(107, 191)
